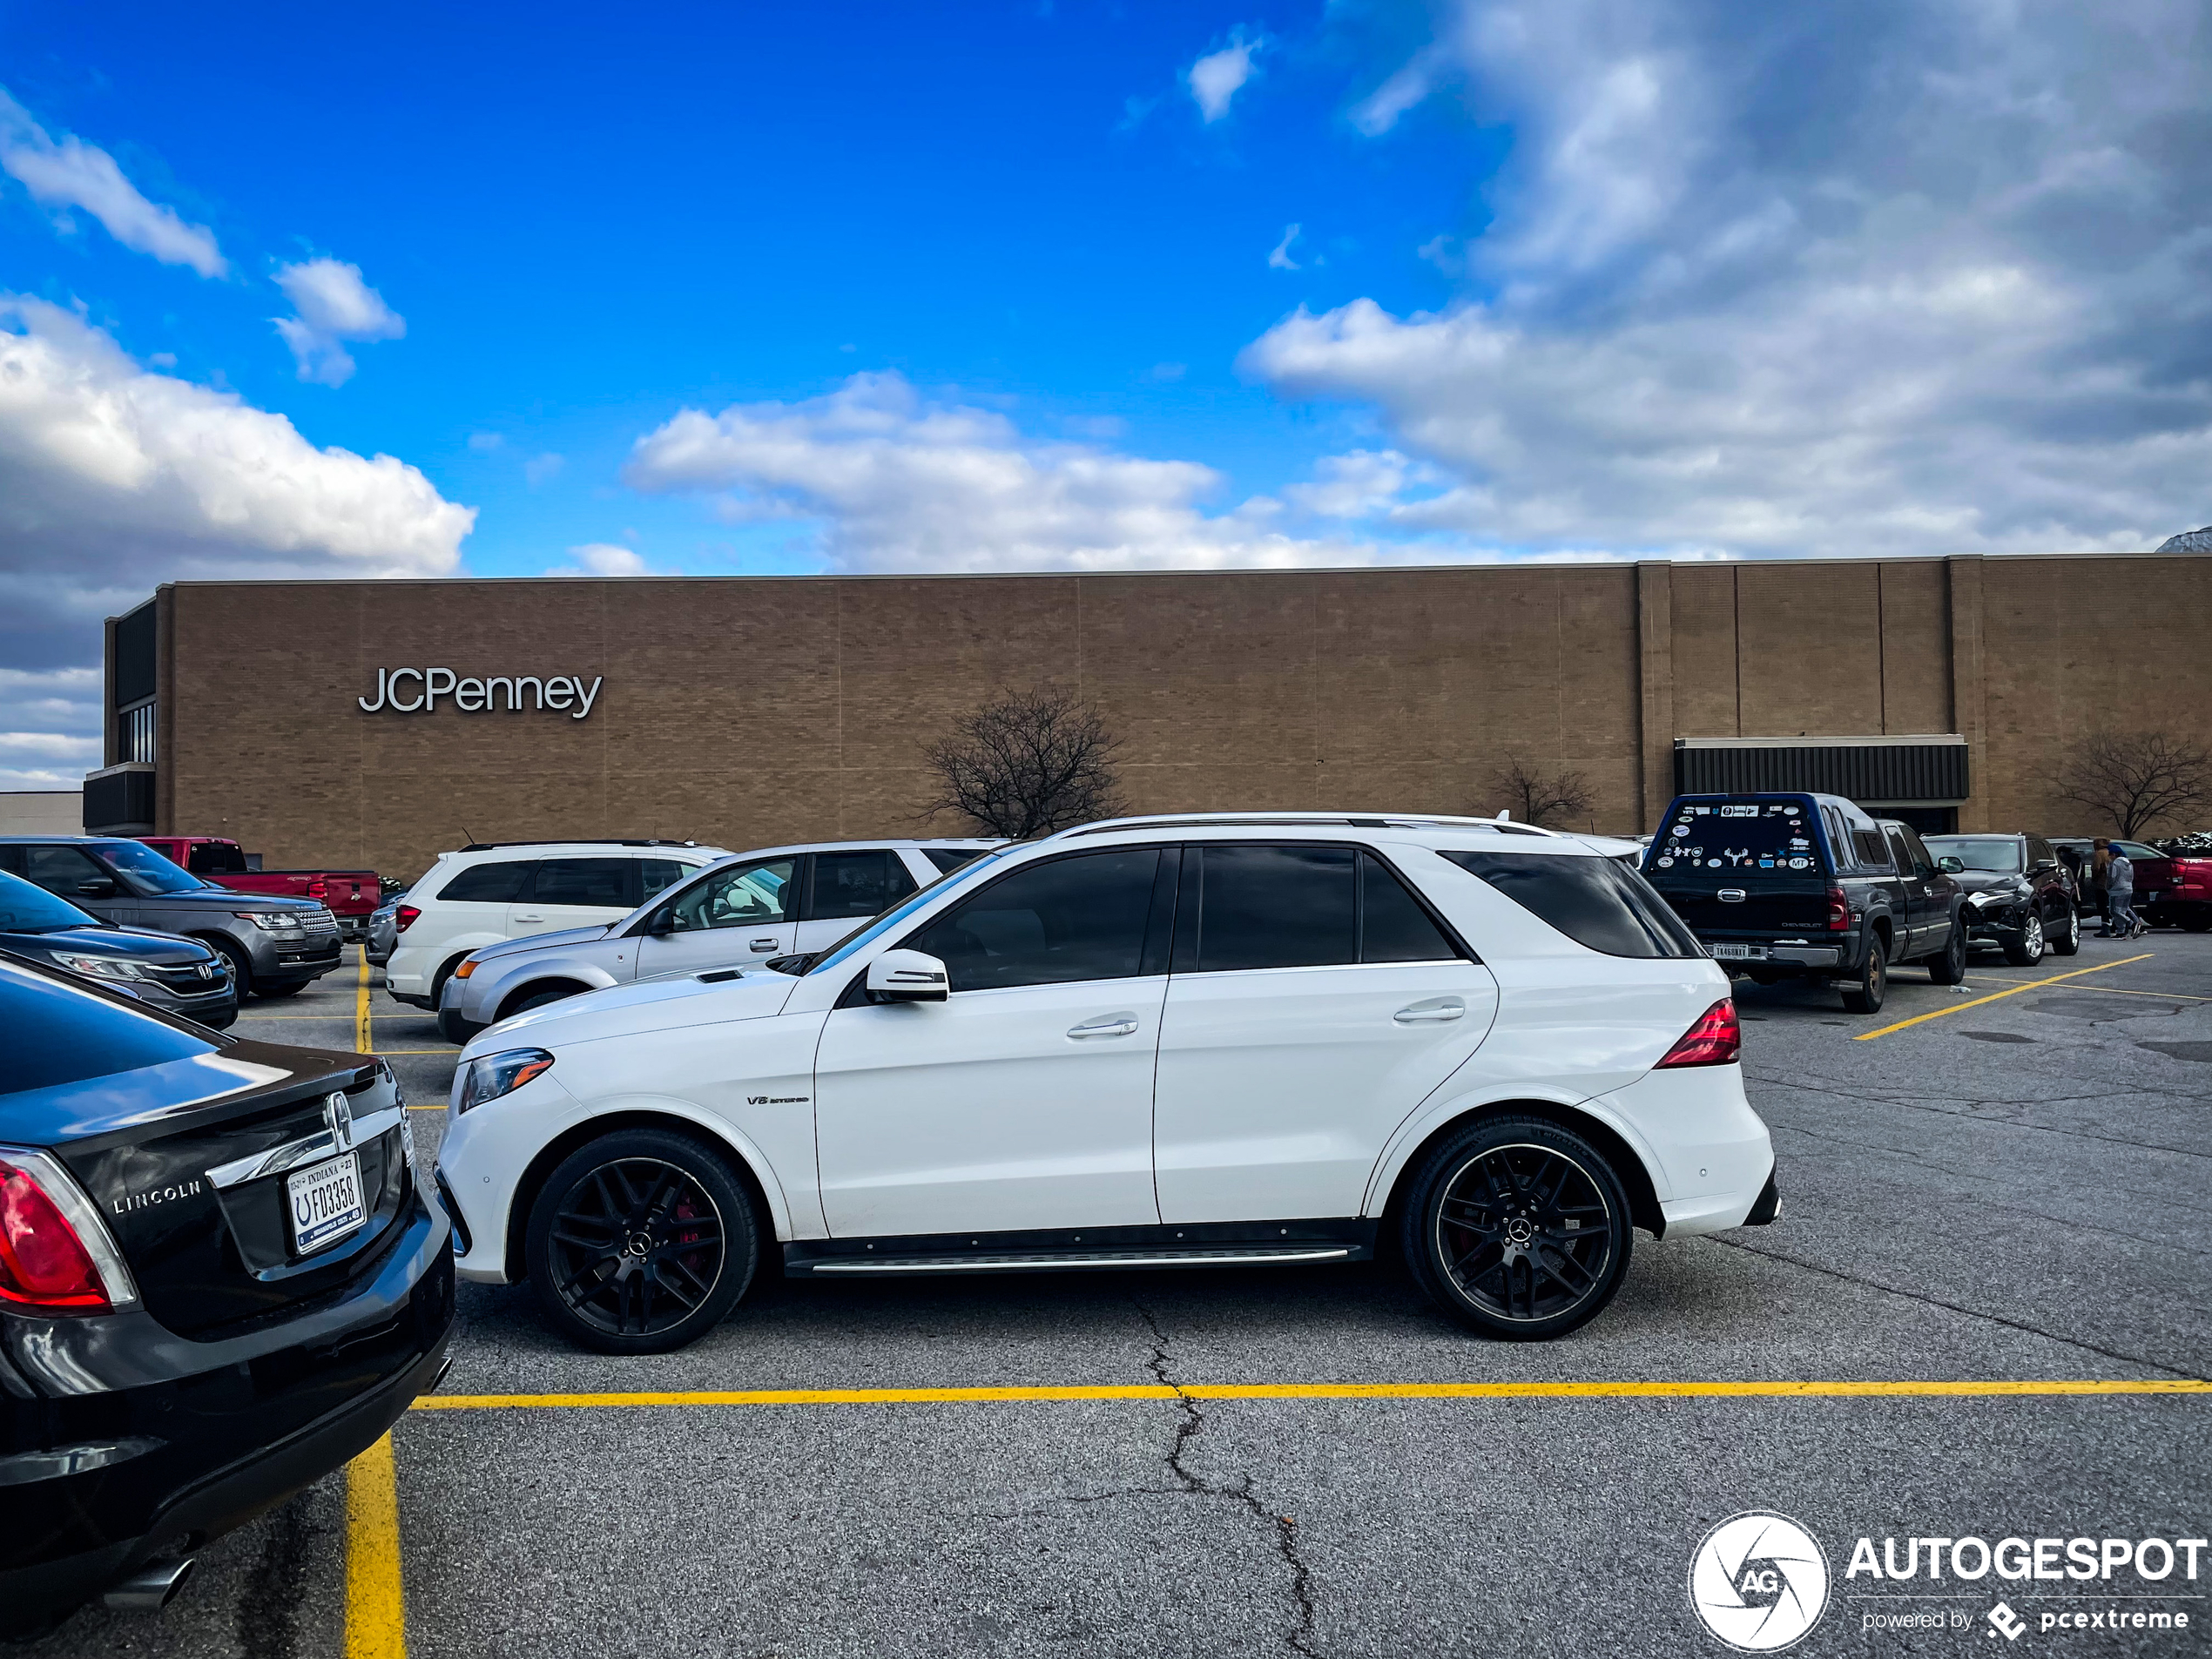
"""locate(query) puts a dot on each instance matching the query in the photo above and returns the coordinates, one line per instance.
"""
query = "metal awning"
(1926, 769)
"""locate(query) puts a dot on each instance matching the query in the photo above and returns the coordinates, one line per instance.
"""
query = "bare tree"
(2137, 779)
(1535, 796)
(1026, 763)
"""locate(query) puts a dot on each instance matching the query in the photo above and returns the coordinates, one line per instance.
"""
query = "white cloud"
(1934, 280)
(1377, 113)
(1280, 260)
(484, 442)
(900, 483)
(602, 559)
(113, 479)
(71, 173)
(50, 727)
(1215, 78)
(1362, 484)
(540, 469)
(334, 305)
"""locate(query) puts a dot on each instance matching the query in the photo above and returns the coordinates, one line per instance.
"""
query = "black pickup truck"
(1807, 886)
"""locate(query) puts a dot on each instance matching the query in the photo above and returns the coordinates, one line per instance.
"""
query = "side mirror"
(908, 976)
(661, 923)
(1949, 865)
(101, 887)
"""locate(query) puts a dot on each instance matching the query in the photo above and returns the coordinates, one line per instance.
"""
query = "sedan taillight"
(1716, 1040)
(55, 1255)
(1838, 911)
(403, 918)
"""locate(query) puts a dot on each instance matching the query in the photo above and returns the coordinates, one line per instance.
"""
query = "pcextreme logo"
(1759, 1581)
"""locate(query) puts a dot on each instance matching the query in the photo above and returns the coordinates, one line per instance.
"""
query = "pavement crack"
(1953, 1307)
(1300, 1638)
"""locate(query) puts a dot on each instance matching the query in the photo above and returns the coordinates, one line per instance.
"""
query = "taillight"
(403, 918)
(318, 889)
(54, 1253)
(1838, 910)
(1716, 1040)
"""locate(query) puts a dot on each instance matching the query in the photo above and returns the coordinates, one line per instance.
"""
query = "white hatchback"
(485, 893)
(1176, 1042)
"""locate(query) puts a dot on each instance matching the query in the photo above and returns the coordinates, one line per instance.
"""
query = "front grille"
(186, 981)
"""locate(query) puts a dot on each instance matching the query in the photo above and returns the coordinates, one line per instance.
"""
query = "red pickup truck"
(351, 895)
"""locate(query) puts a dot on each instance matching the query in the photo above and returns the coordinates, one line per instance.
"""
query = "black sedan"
(220, 1278)
(179, 975)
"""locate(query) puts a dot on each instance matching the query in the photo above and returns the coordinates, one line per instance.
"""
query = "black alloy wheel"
(1518, 1229)
(2064, 939)
(2025, 949)
(640, 1241)
(1950, 968)
(1873, 984)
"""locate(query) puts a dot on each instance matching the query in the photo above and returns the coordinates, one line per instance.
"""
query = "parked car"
(1808, 887)
(488, 893)
(273, 947)
(1167, 1041)
(382, 933)
(746, 908)
(219, 1280)
(2169, 892)
(181, 976)
(349, 895)
(2019, 895)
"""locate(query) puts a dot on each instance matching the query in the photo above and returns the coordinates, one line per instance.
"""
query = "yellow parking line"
(376, 1599)
(2119, 990)
(2030, 985)
(360, 1011)
(1325, 1390)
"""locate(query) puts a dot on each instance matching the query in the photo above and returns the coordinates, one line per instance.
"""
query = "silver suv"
(747, 908)
(273, 947)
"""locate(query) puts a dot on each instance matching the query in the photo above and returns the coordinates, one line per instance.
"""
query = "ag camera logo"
(1759, 1581)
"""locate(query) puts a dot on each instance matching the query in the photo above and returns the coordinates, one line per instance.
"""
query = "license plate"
(1735, 953)
(324, 1202)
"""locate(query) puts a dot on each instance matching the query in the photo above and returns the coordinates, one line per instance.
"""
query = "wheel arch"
(752, 1172)
(510, 999)
(1628, 1164)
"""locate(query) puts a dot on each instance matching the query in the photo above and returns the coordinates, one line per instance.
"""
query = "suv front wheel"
(1518, 1229)
(2026, 948)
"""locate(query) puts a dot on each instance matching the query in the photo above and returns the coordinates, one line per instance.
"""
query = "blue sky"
(505, 291)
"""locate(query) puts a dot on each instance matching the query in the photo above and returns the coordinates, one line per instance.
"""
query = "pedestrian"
(2100, 884)
(2119, 883)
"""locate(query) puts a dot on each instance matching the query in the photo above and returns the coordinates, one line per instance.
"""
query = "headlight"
(97, 967)
(495, 1074)
(278, 921)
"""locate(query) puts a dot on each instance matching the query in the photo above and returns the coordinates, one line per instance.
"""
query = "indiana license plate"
(1735, 953)
(324, 1202)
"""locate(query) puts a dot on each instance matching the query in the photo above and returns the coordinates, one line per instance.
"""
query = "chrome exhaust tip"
(151, 1588)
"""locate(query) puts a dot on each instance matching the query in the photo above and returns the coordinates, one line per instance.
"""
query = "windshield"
(1736, 838)
(26, 909)
(875, 925)
(2000, 854)
(145, 869)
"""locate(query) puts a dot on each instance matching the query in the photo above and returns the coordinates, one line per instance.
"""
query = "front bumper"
(212, 1447)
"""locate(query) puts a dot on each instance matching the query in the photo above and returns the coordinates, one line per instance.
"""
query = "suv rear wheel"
(2066, 938)
(1951, 967)
(640, 1241)
(1518, 1229)
(1866, 996)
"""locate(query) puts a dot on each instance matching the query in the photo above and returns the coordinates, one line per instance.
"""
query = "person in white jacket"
(2119, 883)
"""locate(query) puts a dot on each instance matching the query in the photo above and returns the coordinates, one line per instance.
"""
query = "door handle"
(1107, 1025)
(1431, 1012)
(764, 944)
(519, 917)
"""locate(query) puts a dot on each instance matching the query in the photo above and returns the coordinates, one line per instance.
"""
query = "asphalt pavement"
(2012, 1190)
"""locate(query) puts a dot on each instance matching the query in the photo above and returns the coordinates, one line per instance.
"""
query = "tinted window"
(742, 895)
(948, 859)
(1051, 924)
(658, 876)
(208, 860)
(1393, 926)
(602, 883)
(27, 909)
(61, 869)
(858, 884)
(488, 883)
(1741, 839)
(148, 872)
(1273, 906)
(58, 1033)
(1923, 860)
(1873, 852)
(2136, 850)
(1593, 901)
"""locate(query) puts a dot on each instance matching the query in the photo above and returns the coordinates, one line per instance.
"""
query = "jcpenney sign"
(416, 690)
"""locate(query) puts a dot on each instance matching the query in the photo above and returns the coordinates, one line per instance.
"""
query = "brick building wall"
(748, 711)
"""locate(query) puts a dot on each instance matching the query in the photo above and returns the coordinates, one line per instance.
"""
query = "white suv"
(1175, 1042)
(750, 908)
(488, 893)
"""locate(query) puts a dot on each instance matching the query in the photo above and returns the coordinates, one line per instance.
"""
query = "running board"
(1064, 1261)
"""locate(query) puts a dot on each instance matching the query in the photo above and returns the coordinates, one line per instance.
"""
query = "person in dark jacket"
(2100, 894)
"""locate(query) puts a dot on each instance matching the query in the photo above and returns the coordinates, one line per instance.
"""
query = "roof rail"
(1358, 821)
(579, 840)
